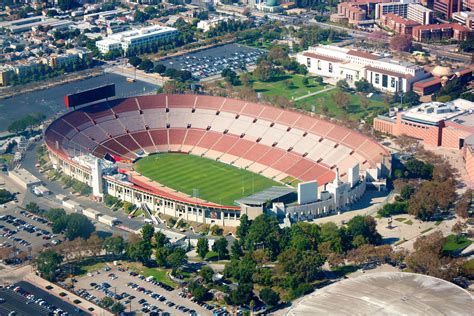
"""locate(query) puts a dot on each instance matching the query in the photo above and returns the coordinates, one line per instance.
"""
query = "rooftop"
(387, 293)
(270, 194)
(434, 112)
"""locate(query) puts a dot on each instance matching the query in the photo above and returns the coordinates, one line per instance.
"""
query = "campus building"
(418, 13)
(398, 24)
(439, 32)
(384, 73)
(447, 7)
(398, 8)
(136, 38)
(465, 18)
(449, 125)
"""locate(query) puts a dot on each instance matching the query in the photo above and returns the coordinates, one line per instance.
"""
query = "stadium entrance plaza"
(405, 228)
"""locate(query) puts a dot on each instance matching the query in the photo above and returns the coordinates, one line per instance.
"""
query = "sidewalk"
(314, 93)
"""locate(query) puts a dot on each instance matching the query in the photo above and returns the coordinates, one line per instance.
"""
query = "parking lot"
(212, 61)
(137, 293)
(25, 232)
(27, 299)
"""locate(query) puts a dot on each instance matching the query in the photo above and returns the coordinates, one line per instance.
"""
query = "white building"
(418, 13)
(340, 63)
(465, 18)
(206, 25)
(136, 38)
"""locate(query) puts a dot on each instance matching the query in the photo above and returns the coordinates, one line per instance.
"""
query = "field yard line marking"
(315, 93)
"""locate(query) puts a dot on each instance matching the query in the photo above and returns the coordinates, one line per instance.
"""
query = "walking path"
(314, 93)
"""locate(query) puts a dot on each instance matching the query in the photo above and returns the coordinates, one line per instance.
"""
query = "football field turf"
(215, 181)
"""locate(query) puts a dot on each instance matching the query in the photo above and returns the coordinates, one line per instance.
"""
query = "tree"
(139, 251)
(159, 68)
(343, 86)
(177, 258)
(48, 263)
(54, 213)
(146, 65)
(134, 61)
(173, 86)
(32, 207)
(364, 226)
(244, 226)
(363, 85)
(407, 191)
(236, 249)
(463, 205)
(428, 258)
(202, 247)
(265, 71)
(78, 225)
(341, 99)
(5, 196)
(114, 245)
(303, 266)
(241, 295)
(117, 308)
(230, 76)
(106, 301)
(264, 233)
(206, 273)
(198, 291)
(269, 297)
(161, 240)
(305, 81)
(411, 98)
(220, 246)
(401, 43)
(161, 256)
(147, 233)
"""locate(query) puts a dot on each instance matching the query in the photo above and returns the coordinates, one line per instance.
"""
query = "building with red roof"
(438, 32)
(398, 24)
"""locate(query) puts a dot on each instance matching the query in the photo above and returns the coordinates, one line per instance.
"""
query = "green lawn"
(454, 243)
(91, 268)
(279, 87)
(158, 274)
(215, 181)
(355, 110)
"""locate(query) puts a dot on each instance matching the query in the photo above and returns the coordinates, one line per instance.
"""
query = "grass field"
(454, 243)
(355, 109)
(280, 87)
(215, 181)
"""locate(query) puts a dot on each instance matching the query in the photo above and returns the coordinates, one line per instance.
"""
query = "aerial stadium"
(210, 159)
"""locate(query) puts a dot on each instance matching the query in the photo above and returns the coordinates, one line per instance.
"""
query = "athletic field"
(215, 181)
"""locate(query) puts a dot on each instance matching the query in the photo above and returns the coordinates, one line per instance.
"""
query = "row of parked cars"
(147, 307)
(207, 306)
(32, 299)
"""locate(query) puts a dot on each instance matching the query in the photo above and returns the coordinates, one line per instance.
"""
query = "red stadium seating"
(125, 127)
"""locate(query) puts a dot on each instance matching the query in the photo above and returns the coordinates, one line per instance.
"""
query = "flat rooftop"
(387, 293)
(434, 112)
(270, 194)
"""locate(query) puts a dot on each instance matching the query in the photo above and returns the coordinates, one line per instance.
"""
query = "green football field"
(215, 181)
